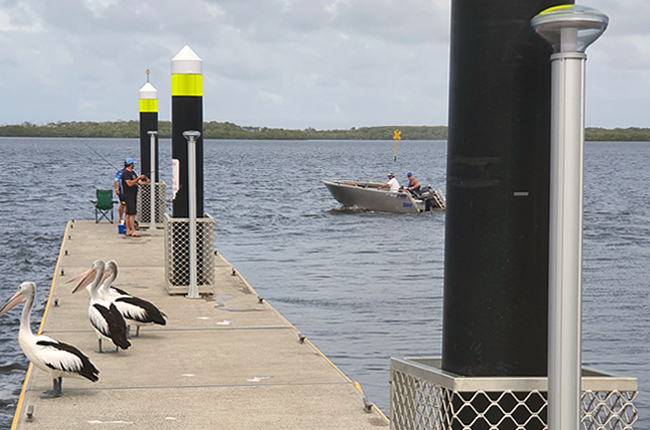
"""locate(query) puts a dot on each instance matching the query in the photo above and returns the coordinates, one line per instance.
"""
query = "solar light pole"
(570, 29)
(192, 136)
(152, 177)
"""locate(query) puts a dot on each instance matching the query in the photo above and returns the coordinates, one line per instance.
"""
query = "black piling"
(187, 114)
(148, 122)
(498, 168)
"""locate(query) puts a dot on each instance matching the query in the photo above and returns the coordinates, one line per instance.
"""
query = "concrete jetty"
(226, 361)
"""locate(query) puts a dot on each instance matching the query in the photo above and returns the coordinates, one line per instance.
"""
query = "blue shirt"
(118, 179)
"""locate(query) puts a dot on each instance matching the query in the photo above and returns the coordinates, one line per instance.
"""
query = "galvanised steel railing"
(425, 397)
(143, 203)
(177, 254)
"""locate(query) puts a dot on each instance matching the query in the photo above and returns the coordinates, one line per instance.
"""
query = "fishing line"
(111, 164)
(101, 156)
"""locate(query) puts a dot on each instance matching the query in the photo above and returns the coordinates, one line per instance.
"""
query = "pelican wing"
(119, 291)
(140, 310)
(110, 323)
(66, 358)
(99, 316)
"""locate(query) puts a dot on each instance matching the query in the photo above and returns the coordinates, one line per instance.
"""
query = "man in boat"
(392, 183)
(413, 185)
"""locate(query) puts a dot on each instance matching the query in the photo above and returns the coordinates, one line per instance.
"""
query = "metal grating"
(177, 254)
(608, 410)
(143, 203)
(425, 397)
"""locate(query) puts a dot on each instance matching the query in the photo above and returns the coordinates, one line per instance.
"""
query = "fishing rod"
(111, 164)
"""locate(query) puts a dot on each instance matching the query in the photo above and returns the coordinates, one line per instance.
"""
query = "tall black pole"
(187, 114)
(148, 122)
(498, 162)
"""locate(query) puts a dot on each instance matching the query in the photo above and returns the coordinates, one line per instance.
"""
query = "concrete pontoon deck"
(224, 361)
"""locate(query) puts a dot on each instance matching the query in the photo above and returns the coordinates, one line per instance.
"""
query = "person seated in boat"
(413, 186)
(392, 183)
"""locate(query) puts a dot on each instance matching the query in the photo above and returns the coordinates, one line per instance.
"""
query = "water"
(362, 286)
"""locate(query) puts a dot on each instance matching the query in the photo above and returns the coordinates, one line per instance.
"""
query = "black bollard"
(187, 114)
(498, 160)
(148, 122)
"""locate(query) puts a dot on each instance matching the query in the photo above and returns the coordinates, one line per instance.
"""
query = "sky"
(326, 64)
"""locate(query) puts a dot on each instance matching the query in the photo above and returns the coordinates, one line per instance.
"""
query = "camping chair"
(104, 205)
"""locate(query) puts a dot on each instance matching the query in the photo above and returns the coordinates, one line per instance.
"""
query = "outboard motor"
(432, 198)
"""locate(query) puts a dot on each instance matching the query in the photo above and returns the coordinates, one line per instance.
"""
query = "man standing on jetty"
(130, 182)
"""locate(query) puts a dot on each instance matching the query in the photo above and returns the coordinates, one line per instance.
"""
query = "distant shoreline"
(227, 130)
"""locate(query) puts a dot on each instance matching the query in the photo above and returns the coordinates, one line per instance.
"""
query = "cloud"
(276, 99)
(19, 18)
(274, 63)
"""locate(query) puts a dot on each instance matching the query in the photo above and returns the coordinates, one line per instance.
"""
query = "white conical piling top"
(186, 62)
(148, 92)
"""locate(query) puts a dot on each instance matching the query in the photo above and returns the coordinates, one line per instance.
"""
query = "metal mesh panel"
(423, 400)
(417, 404)
(144, 203)
(177, 254)
(608, 410)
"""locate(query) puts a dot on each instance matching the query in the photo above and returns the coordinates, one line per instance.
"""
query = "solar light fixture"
(570, 28)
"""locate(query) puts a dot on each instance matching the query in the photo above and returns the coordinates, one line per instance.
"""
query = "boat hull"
(365, 195)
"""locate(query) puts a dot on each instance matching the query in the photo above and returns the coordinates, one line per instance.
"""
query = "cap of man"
(129, 161)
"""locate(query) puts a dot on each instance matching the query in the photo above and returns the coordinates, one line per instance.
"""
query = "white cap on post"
(148, 92)
(186, 62)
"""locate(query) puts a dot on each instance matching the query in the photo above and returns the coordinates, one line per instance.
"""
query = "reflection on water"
(362, 286)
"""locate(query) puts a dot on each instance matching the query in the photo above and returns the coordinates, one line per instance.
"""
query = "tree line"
(228, 130)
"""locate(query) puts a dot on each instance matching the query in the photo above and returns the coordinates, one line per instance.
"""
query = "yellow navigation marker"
(397, 135)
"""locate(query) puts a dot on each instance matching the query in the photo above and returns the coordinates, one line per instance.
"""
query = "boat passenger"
(413, 185)
(392, 183)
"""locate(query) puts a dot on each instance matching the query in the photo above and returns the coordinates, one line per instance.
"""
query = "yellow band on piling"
(148, 105)
(187, 85)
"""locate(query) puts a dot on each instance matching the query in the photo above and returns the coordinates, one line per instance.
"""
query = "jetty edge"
(227, 360)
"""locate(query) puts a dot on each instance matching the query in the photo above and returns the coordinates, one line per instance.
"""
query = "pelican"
(104, 316)
(58, 358)
(134, 309)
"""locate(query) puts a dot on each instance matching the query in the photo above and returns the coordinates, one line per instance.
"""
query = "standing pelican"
(104, 316)
(60, 359)
(134, 309)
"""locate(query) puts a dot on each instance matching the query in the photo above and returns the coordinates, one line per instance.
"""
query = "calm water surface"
(362, 286)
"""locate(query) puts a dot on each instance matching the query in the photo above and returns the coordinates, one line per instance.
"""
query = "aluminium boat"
(366, 195)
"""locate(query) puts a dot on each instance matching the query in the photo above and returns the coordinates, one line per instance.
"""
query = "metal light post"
(192, 136)
(570, 30)
(152, 177)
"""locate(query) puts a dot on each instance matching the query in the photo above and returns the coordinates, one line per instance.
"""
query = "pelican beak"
(16, 299)
(86, 278)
